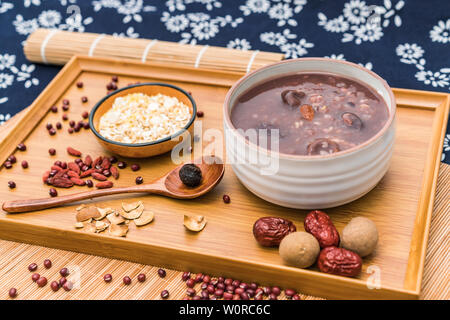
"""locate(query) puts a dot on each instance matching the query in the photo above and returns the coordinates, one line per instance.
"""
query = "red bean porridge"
(315, 113)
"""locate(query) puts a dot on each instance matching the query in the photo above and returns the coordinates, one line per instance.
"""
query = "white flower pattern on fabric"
(446, 146)
(413, 54)
(240, 44)
(335, 25)
(131, 9)
(5, 6)
(130, 33)
(7, 61)
(365, 22)
(367, 32)
(49, 18)
(356, 11)
(281, 10)
(340, 56)
(409, 51)
(197, 26)
(290, 49)
(180, 5)
(27, 3)
(6, 80)
(4, 117)
(436, 79)
(441, 32)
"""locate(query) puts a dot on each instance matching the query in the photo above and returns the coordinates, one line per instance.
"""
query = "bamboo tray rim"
(437, 102)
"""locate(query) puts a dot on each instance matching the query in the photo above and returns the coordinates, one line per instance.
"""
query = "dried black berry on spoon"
(190, 175)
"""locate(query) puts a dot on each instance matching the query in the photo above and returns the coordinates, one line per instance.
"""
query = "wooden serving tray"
(401, 204)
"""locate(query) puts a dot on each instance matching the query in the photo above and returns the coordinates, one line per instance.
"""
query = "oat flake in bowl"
(140, 118)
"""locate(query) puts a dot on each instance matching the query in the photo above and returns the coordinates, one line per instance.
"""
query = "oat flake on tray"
(139, 118)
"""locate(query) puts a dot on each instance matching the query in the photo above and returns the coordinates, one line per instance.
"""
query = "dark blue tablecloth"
(406, 42)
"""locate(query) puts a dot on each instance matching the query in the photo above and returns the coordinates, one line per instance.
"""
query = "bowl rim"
(381, 132)
(143, 144)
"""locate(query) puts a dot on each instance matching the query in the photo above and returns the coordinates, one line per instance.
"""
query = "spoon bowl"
(210, 172)
(169, 185)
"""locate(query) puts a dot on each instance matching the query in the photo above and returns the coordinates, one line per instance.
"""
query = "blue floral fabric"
(407, 42)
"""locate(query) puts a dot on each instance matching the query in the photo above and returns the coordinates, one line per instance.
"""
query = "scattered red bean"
(35, 277)
(24, 164)
(54, 109)
(190, 283)
(190, 292)
(227, 296)
(296, 297)
(65, 117)
(127, 280)
(226, 198)
(107, 277)
(89, 183)
(64, 272)
(70, 130)
(21, 147)
(122, 164)
(218, 293)
(164, 294)
(47, 263)
(200, 114)
(85, 115)
(11, 184)
(66, 102)
(135, 167)
(62, 281)
(79, 84)
(185, 276)
(84, 99)
(52, 131)
(139, 180)
(12, 292)
(141, 277)
(32, 267)
(161, 273)
(115, 78)
(58, 125)
(49, 126)
(41, 282)
(289, 293)
(12, 159)
(54, 285)
(72, 123)
(7, 165)
(68, 285)
(53, 192)
(276, 291)
(52, 151)
(65, 107)
(273, 296)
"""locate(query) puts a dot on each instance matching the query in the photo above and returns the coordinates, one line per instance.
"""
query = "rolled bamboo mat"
(57, 47)
(15, 258)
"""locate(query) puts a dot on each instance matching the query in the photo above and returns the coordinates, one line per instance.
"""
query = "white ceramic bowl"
(311, 182)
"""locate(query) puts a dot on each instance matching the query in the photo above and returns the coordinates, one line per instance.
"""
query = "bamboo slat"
(89, 270)
(51, 46)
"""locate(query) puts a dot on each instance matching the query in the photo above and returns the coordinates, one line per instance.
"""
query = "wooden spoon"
(170, 185)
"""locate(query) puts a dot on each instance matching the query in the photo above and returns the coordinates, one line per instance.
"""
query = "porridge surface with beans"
(315, 113)
(140, 118)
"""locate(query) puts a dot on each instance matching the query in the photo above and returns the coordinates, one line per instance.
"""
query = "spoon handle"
(17, 206)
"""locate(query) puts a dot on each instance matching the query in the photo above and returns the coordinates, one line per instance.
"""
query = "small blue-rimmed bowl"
(147, 149)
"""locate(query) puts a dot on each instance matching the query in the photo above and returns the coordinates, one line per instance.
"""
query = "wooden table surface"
(88, 271)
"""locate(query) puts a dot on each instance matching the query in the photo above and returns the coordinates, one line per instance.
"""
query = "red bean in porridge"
(315, 113)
